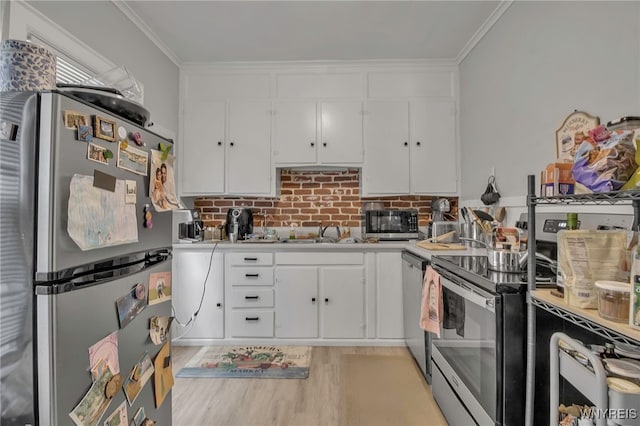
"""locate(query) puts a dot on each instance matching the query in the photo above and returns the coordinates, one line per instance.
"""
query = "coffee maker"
(192, 229)
(438, 225)
(239, 223)
(439, 206)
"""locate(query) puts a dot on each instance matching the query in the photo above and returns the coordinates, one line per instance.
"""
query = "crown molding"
(139, 22)
(484, 29)
(342, 65)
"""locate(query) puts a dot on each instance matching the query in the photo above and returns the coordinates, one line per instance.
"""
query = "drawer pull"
(252, 297)
(252, 275)
(250, 259)
(313, 300)
(252, 318)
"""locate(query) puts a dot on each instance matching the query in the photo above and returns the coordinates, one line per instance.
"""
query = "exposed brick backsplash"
(310, 198)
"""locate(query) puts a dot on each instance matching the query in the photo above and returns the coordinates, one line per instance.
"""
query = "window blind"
(68, 70)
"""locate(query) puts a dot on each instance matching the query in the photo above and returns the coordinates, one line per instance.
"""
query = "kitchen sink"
(300, 241)
(323, 240)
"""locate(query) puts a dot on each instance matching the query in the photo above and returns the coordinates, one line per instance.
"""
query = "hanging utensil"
(463, 215)
(501, 212)
(483, 215)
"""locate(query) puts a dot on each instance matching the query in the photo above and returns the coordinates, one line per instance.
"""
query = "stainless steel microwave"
(390, 224)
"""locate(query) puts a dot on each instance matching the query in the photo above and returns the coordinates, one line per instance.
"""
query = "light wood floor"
(318, 400)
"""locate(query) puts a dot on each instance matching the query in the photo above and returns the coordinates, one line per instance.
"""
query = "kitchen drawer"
(258, 275)
(245, 259)
(247, 298)
(251, 323)
(320, 258)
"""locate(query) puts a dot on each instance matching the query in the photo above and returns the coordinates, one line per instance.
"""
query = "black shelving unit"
(632, 196)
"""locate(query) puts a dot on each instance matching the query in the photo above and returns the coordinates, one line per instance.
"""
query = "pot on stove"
(502, 260)
(512, 261)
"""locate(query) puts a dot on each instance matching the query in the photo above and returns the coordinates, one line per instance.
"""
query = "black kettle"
(244, 217)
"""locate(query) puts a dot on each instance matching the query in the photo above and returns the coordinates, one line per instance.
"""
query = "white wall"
(104, 28)
(540, 62)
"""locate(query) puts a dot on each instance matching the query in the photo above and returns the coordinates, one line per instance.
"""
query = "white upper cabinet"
(203, 149)
(295, 132)
(226, 135)
(340, 133)
(410, 147)
(248, 165)
(433, 146)
(386, 159)
(226, 148)
(308, 132)
(397, 123)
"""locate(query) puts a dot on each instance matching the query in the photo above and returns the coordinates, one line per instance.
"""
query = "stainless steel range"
(480, 358)
(480, 355)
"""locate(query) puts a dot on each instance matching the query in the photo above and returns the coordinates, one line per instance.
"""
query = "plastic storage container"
(613, 300)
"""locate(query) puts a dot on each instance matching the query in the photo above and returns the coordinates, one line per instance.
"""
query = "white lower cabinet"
(342, 294)
(251, 323)
(315, 300)
(249, 283)
(389, 303)
(190, 269)
(296, 301)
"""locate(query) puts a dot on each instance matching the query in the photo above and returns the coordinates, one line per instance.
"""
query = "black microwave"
(390, 224)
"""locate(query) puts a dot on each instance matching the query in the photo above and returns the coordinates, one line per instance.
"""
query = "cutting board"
(440, 246)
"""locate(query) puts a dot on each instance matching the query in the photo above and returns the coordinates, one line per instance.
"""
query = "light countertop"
(311, 247)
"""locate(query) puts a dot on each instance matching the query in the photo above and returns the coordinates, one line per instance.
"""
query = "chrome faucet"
(322, 229)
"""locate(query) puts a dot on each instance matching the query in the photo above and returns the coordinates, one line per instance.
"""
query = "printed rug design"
(271, 362)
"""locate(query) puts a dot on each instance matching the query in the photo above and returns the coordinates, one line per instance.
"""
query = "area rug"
(385, 390)
(270, 362)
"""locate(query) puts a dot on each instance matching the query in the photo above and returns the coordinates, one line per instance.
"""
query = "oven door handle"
(468, 294)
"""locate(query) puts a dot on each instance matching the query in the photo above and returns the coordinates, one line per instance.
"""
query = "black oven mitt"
(491, 194)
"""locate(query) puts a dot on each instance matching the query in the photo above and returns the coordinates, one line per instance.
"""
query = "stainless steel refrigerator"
(56, 299)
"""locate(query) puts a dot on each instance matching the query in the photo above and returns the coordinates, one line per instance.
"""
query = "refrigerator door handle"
(100, 273)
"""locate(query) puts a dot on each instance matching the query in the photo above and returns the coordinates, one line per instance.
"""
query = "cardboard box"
(557, 179)
(558, 172)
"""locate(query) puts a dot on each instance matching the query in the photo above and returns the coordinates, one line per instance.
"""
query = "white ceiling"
(222, 31)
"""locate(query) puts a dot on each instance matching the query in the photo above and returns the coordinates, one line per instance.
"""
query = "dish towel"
(431, 307)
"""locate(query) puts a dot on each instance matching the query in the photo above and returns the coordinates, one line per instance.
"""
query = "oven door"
(467, 352)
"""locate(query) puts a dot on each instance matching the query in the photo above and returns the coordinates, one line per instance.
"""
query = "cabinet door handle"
(218, 305)
(326, 300)
(313, 300)
(406, 143)
(313, 144)
(219, 143)
(418, 143)
(252, 275)
(324, 144)
(250, 259)
(252, 297)
(231, 143)
(252, 318)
